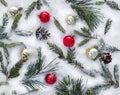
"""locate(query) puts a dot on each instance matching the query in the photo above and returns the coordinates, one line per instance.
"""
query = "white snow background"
(60, 10)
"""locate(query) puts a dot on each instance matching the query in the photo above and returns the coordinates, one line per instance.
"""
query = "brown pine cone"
(106, 58)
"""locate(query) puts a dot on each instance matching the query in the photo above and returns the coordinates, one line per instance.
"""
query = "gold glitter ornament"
(71, 20)
(25, 54)
(92, 53)
(13, 11)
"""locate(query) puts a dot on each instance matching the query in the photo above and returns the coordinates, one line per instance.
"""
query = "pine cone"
(42, 33)
(106, 58)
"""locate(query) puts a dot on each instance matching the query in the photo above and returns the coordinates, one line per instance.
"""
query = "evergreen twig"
(56, 49)
(16, 20)
(14, 72)
(83, 42)
(113, 5)
(4, 2)
(58, 25)
(30, 9)
(85, 11)
(4, 22)
(70, 86)
(107, 26)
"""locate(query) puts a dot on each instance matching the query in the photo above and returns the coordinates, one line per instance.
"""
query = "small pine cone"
(42, 33)
(106, 58)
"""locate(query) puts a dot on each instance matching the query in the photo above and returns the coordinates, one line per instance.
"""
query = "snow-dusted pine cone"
(106, 58)
(42, 33)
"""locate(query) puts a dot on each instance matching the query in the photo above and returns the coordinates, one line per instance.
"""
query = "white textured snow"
(59, 9)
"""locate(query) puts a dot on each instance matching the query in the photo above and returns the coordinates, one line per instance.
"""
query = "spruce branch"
(4, 2)
(107, 26)
(58, 25)
(3, 36)
(70, 86)
(4, 22)
(56, 49)
(16, 20)
(87, 12)
(11, 45)
(14, 72)
(30, 9)
(113, 5)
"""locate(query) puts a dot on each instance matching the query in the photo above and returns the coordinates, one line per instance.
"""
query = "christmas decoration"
(13, 11)
(106, 58)
(92, 53)
(71, 20)
(50, 78)
(68, 41)
(25, 53)
(42, 33)
(44, 17)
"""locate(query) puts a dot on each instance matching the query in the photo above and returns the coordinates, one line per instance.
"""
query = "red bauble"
(68, 41)
(44, 17)
(50, 78)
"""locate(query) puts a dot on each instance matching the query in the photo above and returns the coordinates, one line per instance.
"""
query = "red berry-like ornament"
(50, 78)
(44, 17)
(69, 41)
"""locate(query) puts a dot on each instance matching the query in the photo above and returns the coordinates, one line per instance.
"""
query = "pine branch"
(113, 5)
(14, 72)
(30, 9)
(4, 2)
(107, 26)
(4, 22)
(36, 69)
(56, 49)
(86, 31)
(58, 25)
(16, 20)
(85, 11)
(81, 34)
(70, 87)
(83, 42)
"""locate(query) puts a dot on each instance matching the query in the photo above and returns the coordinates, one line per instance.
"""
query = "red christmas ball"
(50, 78)
(69, 41)
(44, 17)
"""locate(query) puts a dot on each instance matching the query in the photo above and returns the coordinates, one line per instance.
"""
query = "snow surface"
(59, 9)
